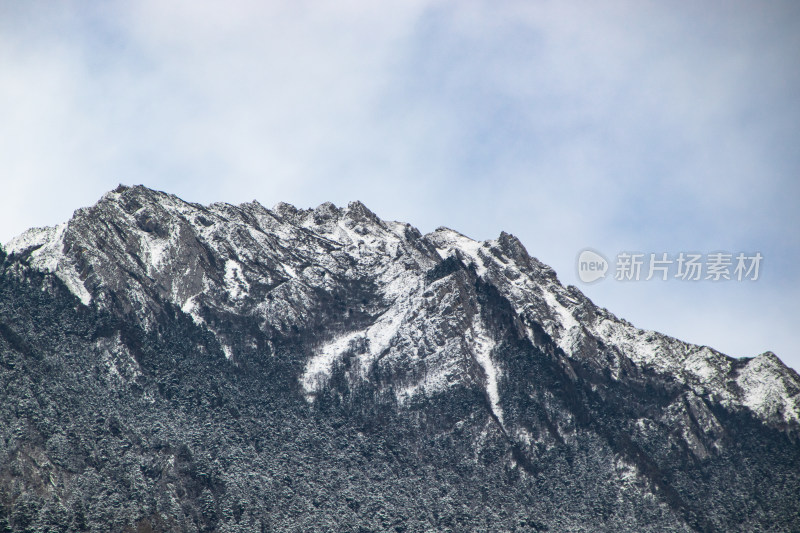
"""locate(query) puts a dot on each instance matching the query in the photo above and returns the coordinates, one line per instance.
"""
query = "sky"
(649, 127)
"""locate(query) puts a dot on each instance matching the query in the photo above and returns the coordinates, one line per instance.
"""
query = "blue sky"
(639, 126)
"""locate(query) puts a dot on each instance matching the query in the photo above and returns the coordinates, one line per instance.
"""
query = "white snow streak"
(571, 326)
(482, 349)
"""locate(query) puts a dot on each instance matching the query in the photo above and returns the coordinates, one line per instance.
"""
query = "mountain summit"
(168, 366)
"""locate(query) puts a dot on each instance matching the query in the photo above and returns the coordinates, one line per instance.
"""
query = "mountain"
(168, 366)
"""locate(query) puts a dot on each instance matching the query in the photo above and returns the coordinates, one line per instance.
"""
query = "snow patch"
(639, 346)
(400, 289)
(227, 350)
(571, 326)
(699, 364)
(319, 368)
(190, 308)
(235, 283)
(49, 257)
(289, 271)
(482, 346)
(157, 250)
(447, 240)
(764, 390)
(567, 320)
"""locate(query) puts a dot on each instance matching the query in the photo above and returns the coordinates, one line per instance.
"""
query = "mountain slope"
(233, 368)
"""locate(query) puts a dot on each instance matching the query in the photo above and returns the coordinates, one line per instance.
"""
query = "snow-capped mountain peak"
(137, 249)
(239, 367)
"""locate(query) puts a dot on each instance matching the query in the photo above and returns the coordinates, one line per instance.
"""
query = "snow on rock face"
(235, 282)
(417, 316)
(44, 247)
(770, 389)
(449, 242)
